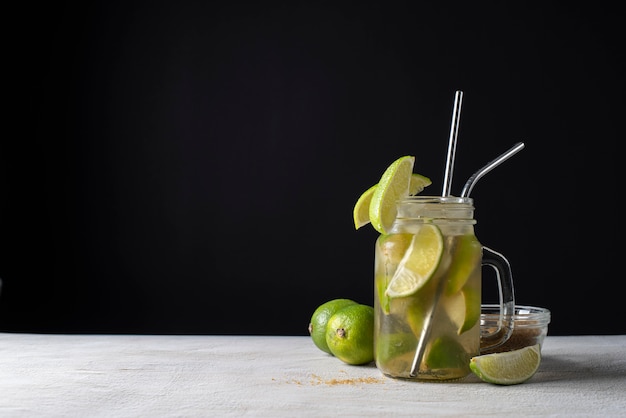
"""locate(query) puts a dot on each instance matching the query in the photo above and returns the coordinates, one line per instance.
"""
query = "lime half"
(393, 185)
(508, 368)
(419, 262)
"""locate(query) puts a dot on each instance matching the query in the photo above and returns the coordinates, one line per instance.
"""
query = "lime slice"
(446, 353)
(416, 315)
(391, 346)
(418, 184)
(464, 308)
(389, 252)
(508, 368)
(381, 287)
(391, 249)
(361, 211)
(419, 262)
(393, 185)
(465, 260)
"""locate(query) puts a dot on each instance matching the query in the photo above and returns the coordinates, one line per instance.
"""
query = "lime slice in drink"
(391, 249)
(446, 353)
(419, 262)
(465, 260)
(389, 252)
(393, 185)
(381, 287)
(393, 346)
(471, 296)
(508, 368)
(463, 308)
(416, 312)
(361, 211)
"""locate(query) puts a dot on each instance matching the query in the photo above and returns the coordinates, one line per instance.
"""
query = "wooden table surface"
(52, 375)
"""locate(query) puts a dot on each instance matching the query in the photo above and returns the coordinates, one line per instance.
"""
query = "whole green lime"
(319, 319)
(350, 334)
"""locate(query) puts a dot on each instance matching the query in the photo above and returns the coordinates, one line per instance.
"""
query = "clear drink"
(449, 303)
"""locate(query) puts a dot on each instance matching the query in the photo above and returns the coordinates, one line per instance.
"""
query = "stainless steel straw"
(447, 183)
(469, 184)
(454, 133)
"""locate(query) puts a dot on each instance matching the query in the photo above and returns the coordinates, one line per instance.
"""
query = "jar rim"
(438, 199)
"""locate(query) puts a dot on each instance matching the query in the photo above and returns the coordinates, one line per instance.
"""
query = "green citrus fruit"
(350, 334)
(390, 249)
(447, 353)
(472, 308)
(392, 347)
(419, 262)
(319, 319)
(393, 247)
(507, 368)
(418, 183)
(361, 211)
(466, 258)
(416, 312)
(393, 185)
(381, 286)
(464, 308)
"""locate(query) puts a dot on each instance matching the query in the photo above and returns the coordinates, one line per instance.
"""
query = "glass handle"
(504, 276)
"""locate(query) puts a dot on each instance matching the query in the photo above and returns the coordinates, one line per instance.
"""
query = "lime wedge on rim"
(507, 368)
(393, 185)
(418, 183)
(419, 263)
(361, 212)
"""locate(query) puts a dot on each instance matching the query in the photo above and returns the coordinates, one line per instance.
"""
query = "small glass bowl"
(530, 326)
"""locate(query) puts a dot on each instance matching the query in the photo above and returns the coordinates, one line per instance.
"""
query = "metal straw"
(447, 183)
(469, 185)
(454, 133)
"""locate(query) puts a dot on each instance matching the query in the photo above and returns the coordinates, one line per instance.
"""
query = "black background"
(191, 167)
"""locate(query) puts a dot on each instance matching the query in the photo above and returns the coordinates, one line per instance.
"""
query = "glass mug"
(433, 333)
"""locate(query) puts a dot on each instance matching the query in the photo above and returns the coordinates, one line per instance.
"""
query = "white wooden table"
(200, 376)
